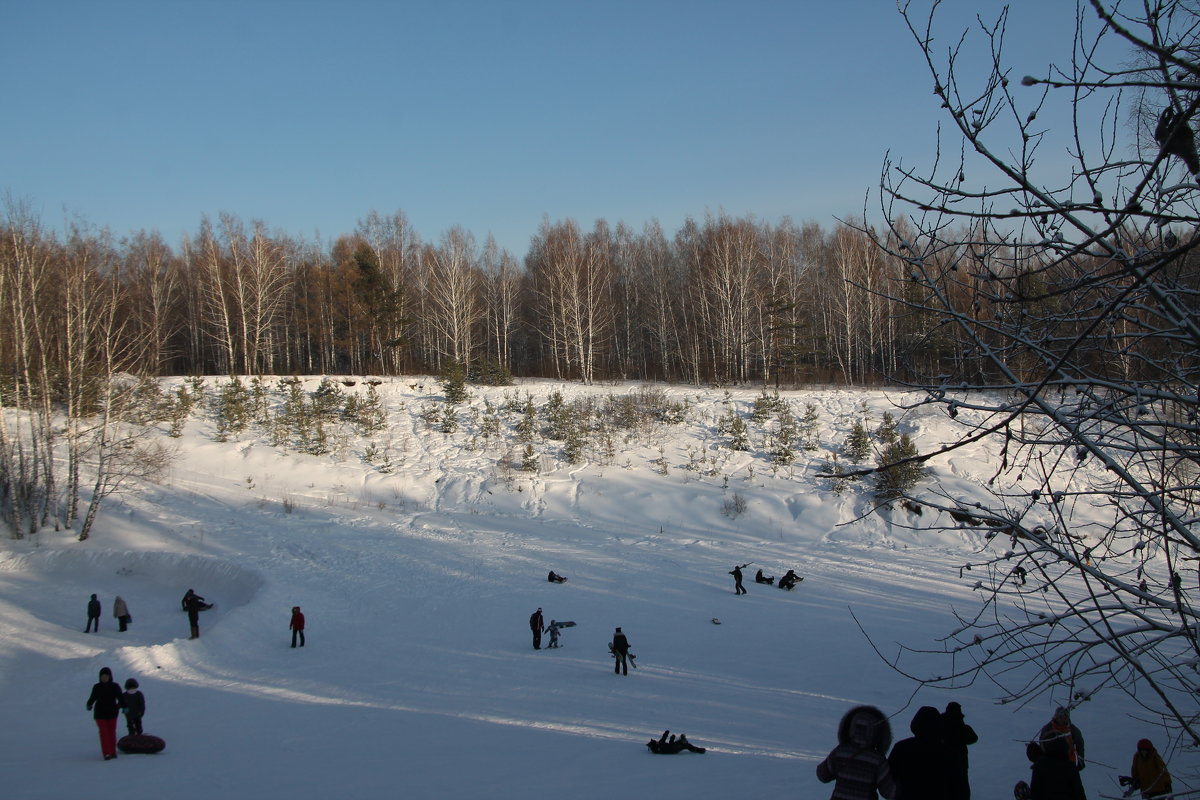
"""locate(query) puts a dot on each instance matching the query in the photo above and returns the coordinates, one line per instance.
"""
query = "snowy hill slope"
(419, 680)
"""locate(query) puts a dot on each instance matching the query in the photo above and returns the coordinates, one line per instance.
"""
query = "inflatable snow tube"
(140, 743)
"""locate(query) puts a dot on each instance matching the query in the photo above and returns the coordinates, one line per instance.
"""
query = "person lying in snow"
(664, 746)
(554, 577)
(758, 578)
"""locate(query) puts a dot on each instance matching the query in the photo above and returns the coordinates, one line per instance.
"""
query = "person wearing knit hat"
(1149, 771)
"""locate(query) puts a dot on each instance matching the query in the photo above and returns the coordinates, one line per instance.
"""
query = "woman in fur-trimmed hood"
(859, 763)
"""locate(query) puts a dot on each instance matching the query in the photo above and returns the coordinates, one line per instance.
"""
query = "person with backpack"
(537, 624)
(859, 764)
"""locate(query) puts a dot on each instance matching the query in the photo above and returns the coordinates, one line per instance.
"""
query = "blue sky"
(486, 115)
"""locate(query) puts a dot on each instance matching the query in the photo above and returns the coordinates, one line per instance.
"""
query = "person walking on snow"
(121, 612)
(620, 649)
(106, 703)
(537, 625)
(858, 763)
(93, 615)
(736, 572)
(297, 626)
(135, 707)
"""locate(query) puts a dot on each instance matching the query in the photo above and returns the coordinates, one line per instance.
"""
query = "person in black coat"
(135, 707)
(554, 577)
(666, 747)
(620, 650)
(789, 580)
(920, 764)
(194, 604)
(736, 572)
(1054, 776)
(93, 615)
(106, 703)
(759, 578)
(957, 735)
(537, 625)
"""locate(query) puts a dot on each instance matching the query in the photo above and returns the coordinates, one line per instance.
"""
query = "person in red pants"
(105, 704)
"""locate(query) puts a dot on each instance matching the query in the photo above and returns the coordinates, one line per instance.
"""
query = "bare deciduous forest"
(720, 301)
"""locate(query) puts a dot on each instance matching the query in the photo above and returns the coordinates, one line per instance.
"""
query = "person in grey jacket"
(859, 763)
(121, 612)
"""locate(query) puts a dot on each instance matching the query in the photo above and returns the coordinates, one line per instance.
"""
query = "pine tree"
(896, 481)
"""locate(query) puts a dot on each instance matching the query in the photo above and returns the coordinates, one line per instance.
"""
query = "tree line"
(722, 300)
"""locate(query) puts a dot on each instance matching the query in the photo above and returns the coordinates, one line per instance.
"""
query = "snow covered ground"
(419, 679)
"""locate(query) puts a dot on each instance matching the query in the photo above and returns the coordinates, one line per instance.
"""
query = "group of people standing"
(120, 611)
(932, 764)
(106, 703)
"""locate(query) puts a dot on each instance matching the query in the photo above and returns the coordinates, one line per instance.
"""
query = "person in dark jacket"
(789, 580)
(191, 595)
(958, 735)
(921, 764)
(554, 577)
(537, 624)
(736, 572)
(620, 650)
(858, 764)
(666, 747)
(93, 615)
(297, 626)
(135, 707)
(759, 578)
(194, 604)
(105, 703)
(1054, 776)
(1060, 728)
